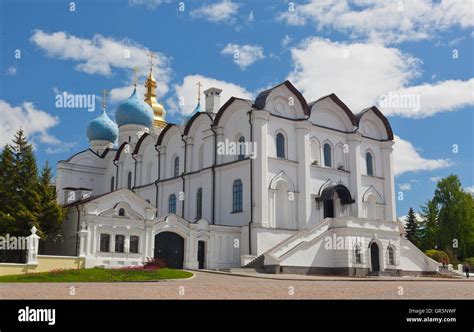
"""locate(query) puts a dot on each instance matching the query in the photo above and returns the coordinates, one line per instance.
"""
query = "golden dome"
(150, 99)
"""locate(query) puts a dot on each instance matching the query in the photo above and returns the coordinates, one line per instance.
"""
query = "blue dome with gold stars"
(134, 110)
(102, 128)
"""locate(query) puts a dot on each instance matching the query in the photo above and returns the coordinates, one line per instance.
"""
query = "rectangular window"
(104, 242)
(237, 196)
(119, 243)
(134, 244)
(172, 204)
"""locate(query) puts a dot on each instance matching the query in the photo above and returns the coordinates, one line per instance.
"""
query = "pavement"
(221, 285)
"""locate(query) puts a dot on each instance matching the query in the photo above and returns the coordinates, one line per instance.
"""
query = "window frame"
(172, 203)
(102, 235)
(278, 146)
(237, 196)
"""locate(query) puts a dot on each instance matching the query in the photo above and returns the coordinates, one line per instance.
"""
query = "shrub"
(470, 261)
(437, 255)
(154, 263)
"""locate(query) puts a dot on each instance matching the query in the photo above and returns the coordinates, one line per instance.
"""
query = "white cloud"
(286, 40)
(152, 4)
(435, 178)
(469, 189)
(358, 73)
(184, 98)
(405, 186)
(251, 17)
(432, 98)
(366, 74)
(224, 11)
(34, 122)
(100, 54)
(244, 55)
(61, 147)
(384, 21)
(11, 71)
(407, 159)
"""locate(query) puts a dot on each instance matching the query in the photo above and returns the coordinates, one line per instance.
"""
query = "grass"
(98, 275)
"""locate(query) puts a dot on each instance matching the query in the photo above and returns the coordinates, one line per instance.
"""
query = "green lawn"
(98, 275)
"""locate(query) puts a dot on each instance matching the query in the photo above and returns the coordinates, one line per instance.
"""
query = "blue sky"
(361, 50)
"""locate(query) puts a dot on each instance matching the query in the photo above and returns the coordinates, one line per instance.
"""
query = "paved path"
(206, 285)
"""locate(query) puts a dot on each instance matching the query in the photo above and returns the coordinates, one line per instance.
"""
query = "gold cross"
(104, 98)
(152, 57)
(199, 91)
(135, 75)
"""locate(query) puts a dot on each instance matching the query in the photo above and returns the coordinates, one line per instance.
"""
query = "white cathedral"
(315, 195)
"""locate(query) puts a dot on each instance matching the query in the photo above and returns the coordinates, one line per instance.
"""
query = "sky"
(413, 59)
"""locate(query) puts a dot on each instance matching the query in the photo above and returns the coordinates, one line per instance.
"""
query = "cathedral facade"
(274, 183)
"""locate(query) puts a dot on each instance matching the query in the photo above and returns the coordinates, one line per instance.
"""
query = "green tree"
(429, 229)
(455, 218)
(412, 227)
(50, 214)
(26, 200)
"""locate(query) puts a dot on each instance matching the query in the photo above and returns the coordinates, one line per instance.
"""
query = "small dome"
(197, 109)
(102, 128)
(134, 110)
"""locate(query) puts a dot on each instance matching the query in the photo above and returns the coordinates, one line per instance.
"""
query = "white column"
(139, 168)
(82, 240)
(355, 183)
(260, 168)
(389, 185)
(304, 160)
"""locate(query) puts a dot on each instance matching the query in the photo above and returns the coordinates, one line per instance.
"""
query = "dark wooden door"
(201, 253)
(170, 247)
(374, 257)
(329, 208)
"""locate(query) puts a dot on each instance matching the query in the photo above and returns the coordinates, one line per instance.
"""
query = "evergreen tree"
(7, 191)
(50, 214)
(25, 178)
(412, 227)
(429, 232)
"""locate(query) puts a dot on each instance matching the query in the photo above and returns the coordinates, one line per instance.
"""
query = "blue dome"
(134, 110)
(190, 116)
(102, 128)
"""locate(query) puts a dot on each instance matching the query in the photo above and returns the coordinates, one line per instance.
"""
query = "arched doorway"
(374, 257)
(169, 246)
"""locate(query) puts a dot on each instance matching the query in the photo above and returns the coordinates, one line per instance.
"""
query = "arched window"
(112, 183)
(134, 244)
(176, 166)
(327, 155)
(129, 180)
(199, 203)
(172, 204)
(391, 256)
(237, 196)
(357, 254)
(122, 212)
(280, 145)
(241, 148)
(369, 160)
